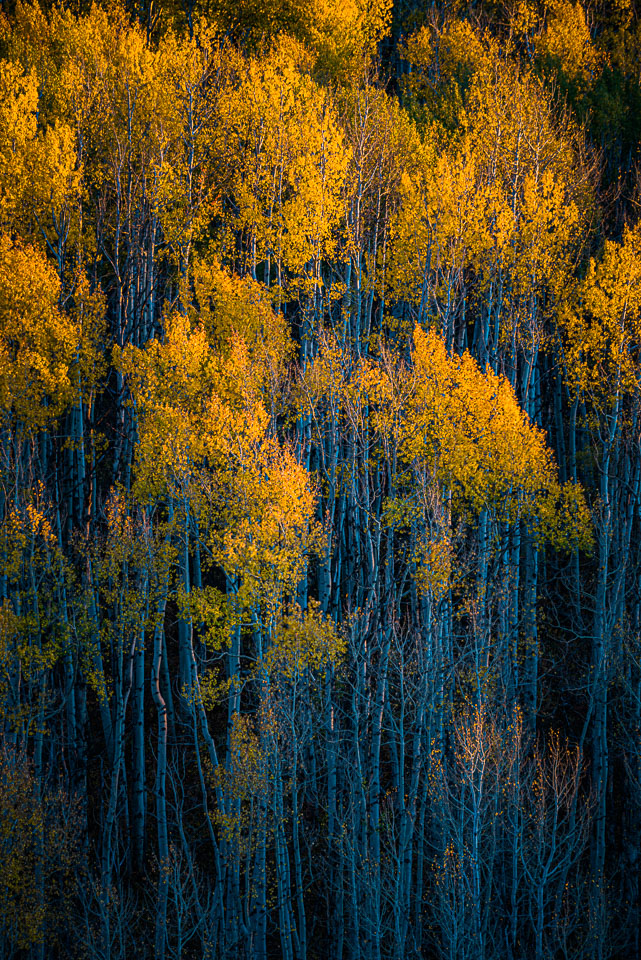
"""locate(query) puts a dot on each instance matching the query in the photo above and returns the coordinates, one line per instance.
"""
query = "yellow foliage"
(186, 179)
(288, 160)
(18, 106)
(456, 53)
(192, 403)
(168, 383)
(233, 307)
(32, 632)
(216, 617)
(453, 219)
(384, 148)
(345, 33)
(38, 342)
(248, 773)
(501, 207)
(466, 426)
(254, 21)
(27, 536)
(55, 186)
(204, 430)
(444, 65)
(567, 40)
(602, 323)
(433, 573)
(458, 439)
(304, 641)
(24, 655)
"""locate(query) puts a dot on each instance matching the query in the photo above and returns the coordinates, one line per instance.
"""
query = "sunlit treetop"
(288, 161)
(601, 323)
(454, 426)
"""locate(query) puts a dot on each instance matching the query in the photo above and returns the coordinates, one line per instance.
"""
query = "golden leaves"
(305, 641)
(601, 321)
(454, 442)
(18, 105)
(345, 33)
(567, 40)
(290, 163)
(496, 212)
(204, 434)
(233, 308)
(468, 429)
(38, 342)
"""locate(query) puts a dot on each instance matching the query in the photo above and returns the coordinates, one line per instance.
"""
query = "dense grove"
(320, 480)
